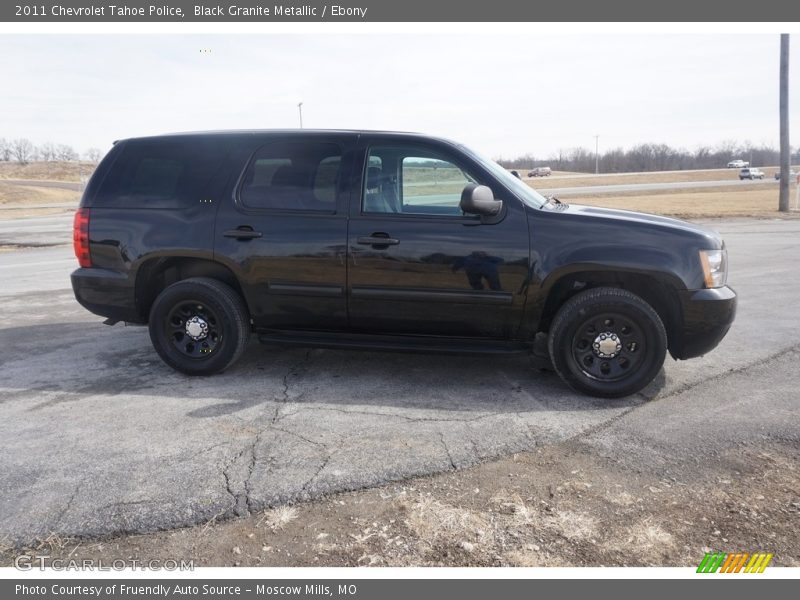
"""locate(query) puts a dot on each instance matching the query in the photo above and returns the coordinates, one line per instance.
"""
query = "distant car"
(738, 164)
(540, 172)
(751, 174)
(792, 174)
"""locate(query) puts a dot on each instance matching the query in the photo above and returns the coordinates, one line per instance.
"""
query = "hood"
(714, 240)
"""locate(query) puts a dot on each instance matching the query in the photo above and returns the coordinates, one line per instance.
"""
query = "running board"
(389, 343)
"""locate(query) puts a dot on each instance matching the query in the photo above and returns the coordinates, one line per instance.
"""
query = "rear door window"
(294, 176)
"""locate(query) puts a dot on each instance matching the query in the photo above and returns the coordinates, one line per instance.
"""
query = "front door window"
(412, 182)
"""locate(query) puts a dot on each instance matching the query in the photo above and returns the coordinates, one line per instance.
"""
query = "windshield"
(523, 191)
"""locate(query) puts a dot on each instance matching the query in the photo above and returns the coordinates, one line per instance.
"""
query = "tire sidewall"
(226, 348)
(566, 325)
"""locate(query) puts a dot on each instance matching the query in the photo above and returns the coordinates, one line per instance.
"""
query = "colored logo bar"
(739, 562)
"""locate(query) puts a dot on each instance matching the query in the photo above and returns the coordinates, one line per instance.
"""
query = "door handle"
(243, 233)
(378, 240)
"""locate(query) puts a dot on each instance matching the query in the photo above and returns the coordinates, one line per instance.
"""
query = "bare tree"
(47, 152)
(783, 196)
(94, 154)
(5, 150)
(22, 149)
(66, 153)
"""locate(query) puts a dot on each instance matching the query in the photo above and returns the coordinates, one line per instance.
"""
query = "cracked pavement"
(99, 437)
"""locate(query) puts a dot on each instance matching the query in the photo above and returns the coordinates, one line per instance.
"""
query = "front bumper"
(707, 315)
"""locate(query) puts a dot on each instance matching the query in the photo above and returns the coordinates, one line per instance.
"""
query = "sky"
(503, 95)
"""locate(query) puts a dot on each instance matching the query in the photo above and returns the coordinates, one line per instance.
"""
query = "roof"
(309, 132)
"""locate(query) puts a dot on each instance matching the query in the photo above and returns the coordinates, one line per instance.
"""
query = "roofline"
(245, 132)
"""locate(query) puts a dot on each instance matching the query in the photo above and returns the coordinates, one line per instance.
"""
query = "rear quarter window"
(160, 174)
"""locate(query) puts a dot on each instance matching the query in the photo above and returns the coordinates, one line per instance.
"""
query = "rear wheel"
(199, 326)
(607, 342)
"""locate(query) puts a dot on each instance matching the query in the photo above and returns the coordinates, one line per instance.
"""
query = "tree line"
(651, 157)
(23, 151)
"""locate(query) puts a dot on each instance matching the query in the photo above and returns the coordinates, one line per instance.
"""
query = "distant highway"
(589, 190)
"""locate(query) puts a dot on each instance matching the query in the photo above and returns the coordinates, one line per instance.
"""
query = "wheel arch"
(155, 274)
(657, 289)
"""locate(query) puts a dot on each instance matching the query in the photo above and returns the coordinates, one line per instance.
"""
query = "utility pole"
(596, 154)
(783, 198)
(300, 109)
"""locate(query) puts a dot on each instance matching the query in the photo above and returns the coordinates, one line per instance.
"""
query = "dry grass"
(514, 505)
(573, 525)
(47, 171)
(761, 202)
(20, 202)
(621, 497)
(27, 213)
(278, 518)
(436, 523)
(647, 539)
(23, 195)
(646, 535)
(53, 543)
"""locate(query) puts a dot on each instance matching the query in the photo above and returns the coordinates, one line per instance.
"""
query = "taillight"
(80, 237)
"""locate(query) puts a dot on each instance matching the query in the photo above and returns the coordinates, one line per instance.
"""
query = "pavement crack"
(68, 506)
(241, 500)
(297, 435)
(409, 419)
(646, 401)
(730, 372)
(293, 371)
(311, 479)
(447, 451)
(250, 468)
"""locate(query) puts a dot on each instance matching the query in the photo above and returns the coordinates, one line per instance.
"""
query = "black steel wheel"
(199, 326)
(607, 342)
(194, 328)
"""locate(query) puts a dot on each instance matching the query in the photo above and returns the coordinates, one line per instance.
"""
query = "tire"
(634, 343)
(199, 326)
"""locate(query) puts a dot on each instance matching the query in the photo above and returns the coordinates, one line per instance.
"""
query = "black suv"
(385, 241)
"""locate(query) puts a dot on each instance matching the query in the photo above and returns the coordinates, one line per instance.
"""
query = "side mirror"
(479, 200)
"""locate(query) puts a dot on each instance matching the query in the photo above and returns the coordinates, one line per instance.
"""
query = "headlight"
(715, 267)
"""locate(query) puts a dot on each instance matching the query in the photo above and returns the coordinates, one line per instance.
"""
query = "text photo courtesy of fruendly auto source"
(400, 300)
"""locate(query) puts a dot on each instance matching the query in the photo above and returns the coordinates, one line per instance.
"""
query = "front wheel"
(607, 342)
(199, 326)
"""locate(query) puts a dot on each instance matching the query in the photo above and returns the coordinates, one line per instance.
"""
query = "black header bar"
(348, 11)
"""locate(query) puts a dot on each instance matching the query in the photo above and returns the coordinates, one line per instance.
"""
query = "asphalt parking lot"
(99, 437)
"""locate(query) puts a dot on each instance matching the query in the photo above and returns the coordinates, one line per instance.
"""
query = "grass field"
(18, 195)
(17, 201)
(46, 171)
(714, 202)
